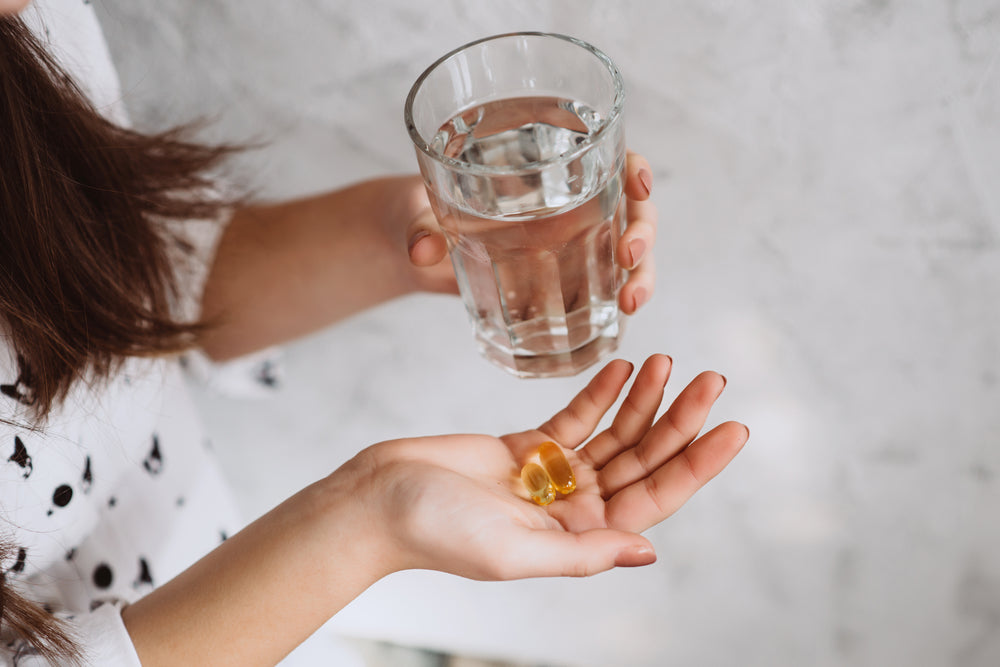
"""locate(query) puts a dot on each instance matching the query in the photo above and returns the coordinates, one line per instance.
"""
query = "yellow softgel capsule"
(538, 484)
(558, 468)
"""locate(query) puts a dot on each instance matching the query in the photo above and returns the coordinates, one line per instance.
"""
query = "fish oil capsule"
(558, 468)
(538, 484)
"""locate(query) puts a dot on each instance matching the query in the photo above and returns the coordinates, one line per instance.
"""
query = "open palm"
(459, 505)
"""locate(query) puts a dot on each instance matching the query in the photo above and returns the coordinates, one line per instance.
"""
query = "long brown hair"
(86, 270)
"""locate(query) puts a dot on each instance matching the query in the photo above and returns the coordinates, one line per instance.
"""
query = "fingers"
(638, 177)
(634, 252)
(573, 424)
(675, 429)
(634, 249)
(640, 232)
(635, 416)
(652, 499)
(427, 248)
(551, 553)
(425, 242)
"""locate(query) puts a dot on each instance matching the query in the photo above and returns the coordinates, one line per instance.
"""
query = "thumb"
(425, 242)
(548, 553)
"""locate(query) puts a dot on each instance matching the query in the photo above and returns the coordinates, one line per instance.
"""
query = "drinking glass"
(520, 142)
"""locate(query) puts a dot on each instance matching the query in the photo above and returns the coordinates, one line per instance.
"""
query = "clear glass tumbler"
(521, 145)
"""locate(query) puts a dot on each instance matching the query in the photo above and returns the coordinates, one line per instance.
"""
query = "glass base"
(555, 364)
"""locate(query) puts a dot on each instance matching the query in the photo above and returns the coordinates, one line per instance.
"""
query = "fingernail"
(639, 297)
(418, 237)
(636, 248)
(724, 380)
(647, 180)
(636, 555)
(747, 430)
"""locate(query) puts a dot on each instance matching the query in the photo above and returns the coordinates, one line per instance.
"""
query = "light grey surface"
(827, 176)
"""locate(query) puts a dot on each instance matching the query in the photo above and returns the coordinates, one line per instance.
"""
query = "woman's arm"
(267, 588)
(282, 271)
(285, 270)
(450, 503)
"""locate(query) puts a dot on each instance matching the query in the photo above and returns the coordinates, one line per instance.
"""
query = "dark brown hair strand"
(87, 270)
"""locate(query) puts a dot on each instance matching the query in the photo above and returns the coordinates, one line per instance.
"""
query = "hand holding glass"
(520, 143)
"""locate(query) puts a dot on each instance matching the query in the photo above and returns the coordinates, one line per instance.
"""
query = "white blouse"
(117, 491)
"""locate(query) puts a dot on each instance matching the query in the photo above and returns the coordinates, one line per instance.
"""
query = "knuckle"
(579, 570)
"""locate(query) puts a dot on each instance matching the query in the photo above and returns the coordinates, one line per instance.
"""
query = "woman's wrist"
(268, 587)
(347, 509)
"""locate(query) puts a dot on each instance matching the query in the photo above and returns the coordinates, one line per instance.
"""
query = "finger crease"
(602, 489)
(630, 405)
(575, 413)
(653, 489)
(616, 429)
(673, 427)
(689, 466)
(642, 456)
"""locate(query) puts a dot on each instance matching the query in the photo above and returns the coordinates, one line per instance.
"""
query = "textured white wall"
(828, 176)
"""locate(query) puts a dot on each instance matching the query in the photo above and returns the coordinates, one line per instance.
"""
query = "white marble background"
(828, 176)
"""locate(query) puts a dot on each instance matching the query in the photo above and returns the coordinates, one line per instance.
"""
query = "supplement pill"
(538, 484)
(558, 468)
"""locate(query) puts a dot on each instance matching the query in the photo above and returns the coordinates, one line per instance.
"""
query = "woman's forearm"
(285, 270)
(266, 589)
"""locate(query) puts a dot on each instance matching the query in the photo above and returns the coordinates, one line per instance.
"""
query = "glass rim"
(592, 138)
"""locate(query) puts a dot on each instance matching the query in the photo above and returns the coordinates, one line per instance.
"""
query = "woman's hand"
(456, 503)
(451, 503)
(427, 247)
(636, 244)
(285, 270)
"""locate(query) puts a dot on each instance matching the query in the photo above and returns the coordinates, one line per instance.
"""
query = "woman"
(120, 544)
